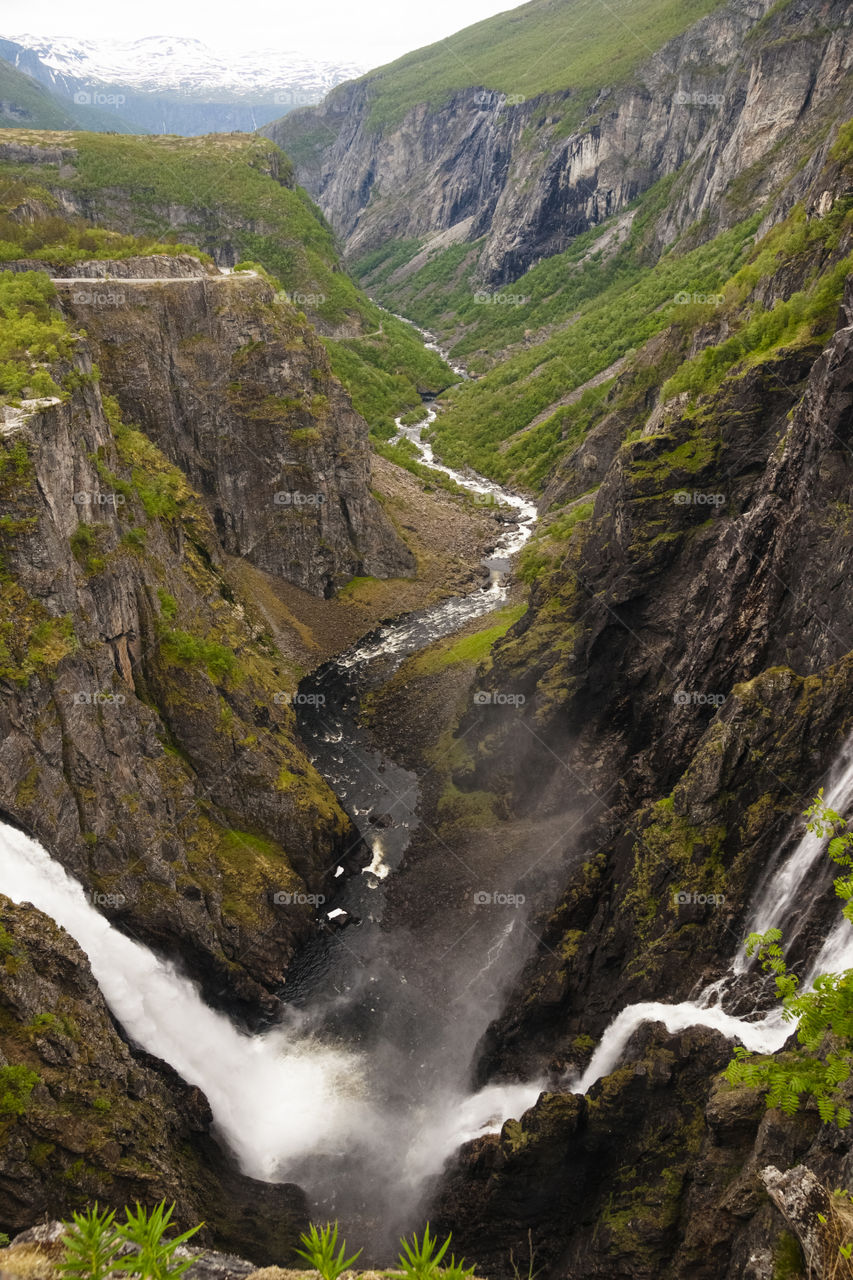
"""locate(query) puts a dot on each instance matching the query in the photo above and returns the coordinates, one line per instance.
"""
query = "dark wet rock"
(104, 1122)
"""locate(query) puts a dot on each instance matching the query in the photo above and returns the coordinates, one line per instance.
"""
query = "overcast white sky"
(368, 32)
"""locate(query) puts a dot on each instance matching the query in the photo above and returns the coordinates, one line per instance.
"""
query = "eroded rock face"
(99, 1121)
(145, 733)
(716, 98)
(661, 1170)
(220, 372)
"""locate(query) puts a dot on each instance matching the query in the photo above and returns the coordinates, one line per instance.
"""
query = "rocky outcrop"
(221, 373)
(731, 98)
(660, 1170)
(146, 732)
(85, 1117)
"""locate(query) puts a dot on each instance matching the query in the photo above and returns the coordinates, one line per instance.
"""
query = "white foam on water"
(275, 1097)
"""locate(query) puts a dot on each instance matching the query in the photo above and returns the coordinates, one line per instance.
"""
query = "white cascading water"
(778, 895)
(276, 1097)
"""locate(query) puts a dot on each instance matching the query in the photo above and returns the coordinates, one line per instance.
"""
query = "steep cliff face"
(733, 96)
(147, 736)
(685, 670)
(222, 375)
(84, 1117)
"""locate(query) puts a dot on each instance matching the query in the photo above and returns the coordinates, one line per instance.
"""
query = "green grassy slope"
(23, 102)
(542, 47)
(511, 423)
(224, 188)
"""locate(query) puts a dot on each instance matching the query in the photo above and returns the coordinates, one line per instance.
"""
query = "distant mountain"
(25, 104)
(168, 84)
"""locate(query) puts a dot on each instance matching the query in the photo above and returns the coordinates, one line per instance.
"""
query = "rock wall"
(732, 97)
(86, 1117)
(222, 374)
(146, 736)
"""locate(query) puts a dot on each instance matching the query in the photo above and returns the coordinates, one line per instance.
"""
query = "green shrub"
(187, 650)
(823, 1015)
(16, 1085)
(96, 1245)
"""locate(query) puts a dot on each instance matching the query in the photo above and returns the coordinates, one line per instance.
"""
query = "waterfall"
(779, 893)
(279, 1098)
(273, 1097)
(777, 899)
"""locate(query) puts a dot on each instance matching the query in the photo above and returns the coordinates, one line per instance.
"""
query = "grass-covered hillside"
(228, 195)
(25, 103)
(537, 405)
(542, 47)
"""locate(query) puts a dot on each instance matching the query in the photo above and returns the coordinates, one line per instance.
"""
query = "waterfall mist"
(363, 1126)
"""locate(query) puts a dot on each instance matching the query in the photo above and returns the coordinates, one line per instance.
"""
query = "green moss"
(672, 856)
(473, 649)
(184, 649)
(470, 810)
(16, 1085)
(84, 546)
(788, 1261)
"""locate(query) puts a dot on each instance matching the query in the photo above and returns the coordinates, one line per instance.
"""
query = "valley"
(426, 655)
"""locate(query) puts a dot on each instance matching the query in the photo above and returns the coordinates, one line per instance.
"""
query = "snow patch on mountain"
(177, 64)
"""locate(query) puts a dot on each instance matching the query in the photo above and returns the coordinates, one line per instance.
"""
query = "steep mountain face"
(218, 371)
(686, 668)
(27, 105)
(527, 177)
(147, 737)
(162, 84)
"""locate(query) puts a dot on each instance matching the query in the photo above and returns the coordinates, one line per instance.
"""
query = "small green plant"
(457, 1270)
(4, 1240)
(420, 1259)
(321, 1244)
(532, 1270)
(155, 1259)
(92, 1245)
(96, 1246)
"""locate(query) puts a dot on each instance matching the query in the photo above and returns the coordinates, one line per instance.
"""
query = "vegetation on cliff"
(171, 192)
